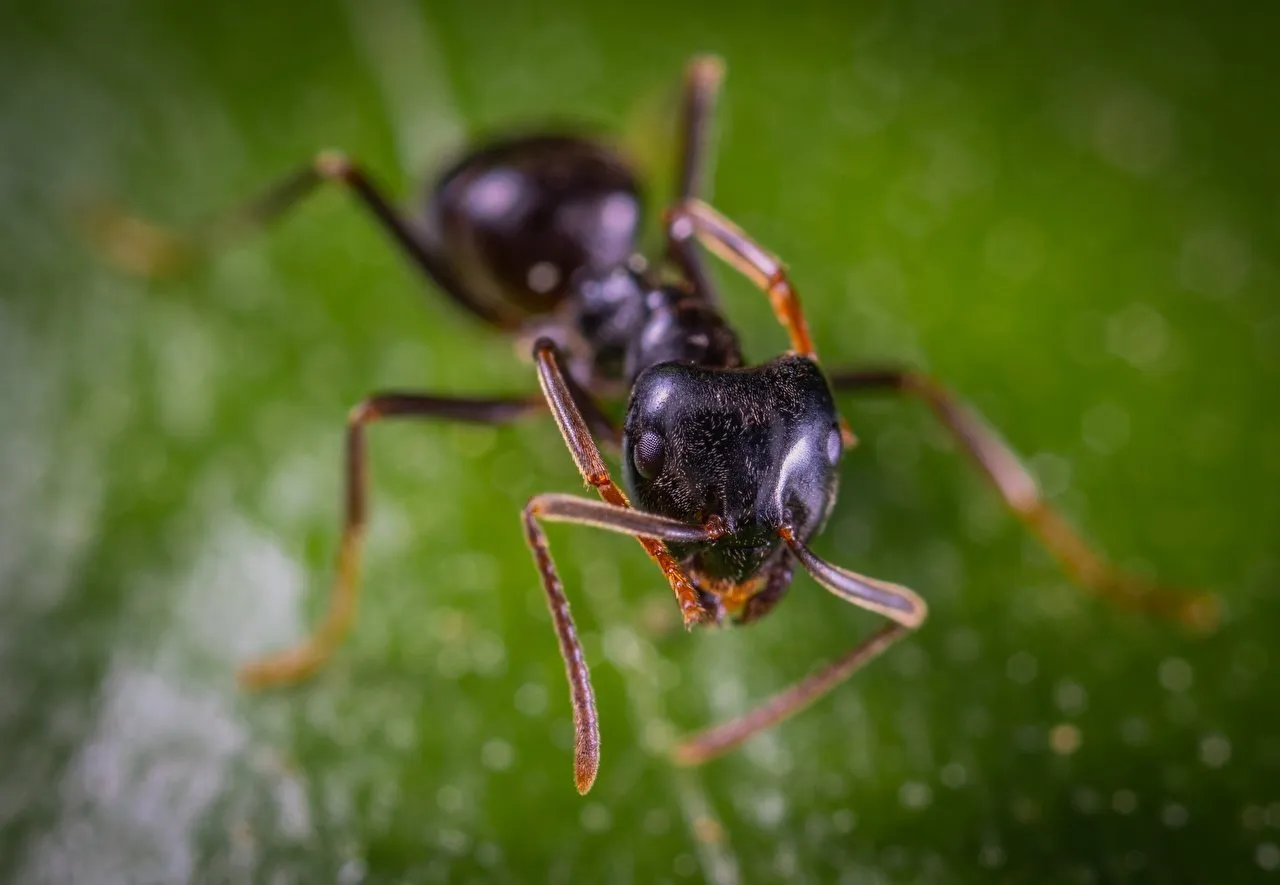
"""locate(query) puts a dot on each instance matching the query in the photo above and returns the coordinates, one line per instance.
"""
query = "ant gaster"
(730, 469)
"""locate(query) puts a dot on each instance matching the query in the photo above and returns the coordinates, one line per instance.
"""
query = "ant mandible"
(732, 468)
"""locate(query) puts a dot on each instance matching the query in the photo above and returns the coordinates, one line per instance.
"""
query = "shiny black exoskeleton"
(541, 231)
(522, 223)
(545, 227)
(730, 468)
(757, 447)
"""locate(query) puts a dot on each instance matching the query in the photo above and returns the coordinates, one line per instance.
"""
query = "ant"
(732, 467)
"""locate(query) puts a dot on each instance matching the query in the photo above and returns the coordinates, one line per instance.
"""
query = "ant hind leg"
(145, 249)
(703, 76)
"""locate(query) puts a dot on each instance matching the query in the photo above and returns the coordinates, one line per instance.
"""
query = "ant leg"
(702, 80)
(905, 610)
(693, 218)
(600, 514)
(719, 739)
(595, 473)
(147, 250)
(1002, 467)
(294, 664)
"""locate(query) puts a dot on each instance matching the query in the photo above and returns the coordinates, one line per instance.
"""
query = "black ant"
(732, 468)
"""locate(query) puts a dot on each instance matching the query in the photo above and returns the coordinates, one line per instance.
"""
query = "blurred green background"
(1069, 212)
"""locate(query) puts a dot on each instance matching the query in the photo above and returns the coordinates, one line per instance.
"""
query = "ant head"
(755, 447)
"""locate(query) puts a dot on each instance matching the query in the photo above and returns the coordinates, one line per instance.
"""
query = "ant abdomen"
(522, 219)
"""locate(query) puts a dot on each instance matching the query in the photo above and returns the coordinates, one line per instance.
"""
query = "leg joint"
(334, 165)
(363, 412)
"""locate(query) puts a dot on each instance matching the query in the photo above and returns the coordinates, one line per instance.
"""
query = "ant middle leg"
(694, 218)
(299, 662)
(148, 250)
(1015, 484)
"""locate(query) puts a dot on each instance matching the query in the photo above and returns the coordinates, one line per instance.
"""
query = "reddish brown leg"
(600, 514)
(1089, 568)
(148, 250)
(904, 608)
(693, 218)
(586, 456)
(305, 658)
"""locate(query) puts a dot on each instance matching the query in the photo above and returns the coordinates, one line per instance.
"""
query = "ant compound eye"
(834, 445)
(650, 454)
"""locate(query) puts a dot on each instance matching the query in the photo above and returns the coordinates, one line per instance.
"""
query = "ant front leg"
(299, 662)
(577, 437)
(905, 610)
(148, 250)
(648, 529)
(1002, 467)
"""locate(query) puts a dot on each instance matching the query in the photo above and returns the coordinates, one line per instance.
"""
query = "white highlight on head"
(792, 463)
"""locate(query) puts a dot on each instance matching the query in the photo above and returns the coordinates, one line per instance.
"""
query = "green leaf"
(1067, 212)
